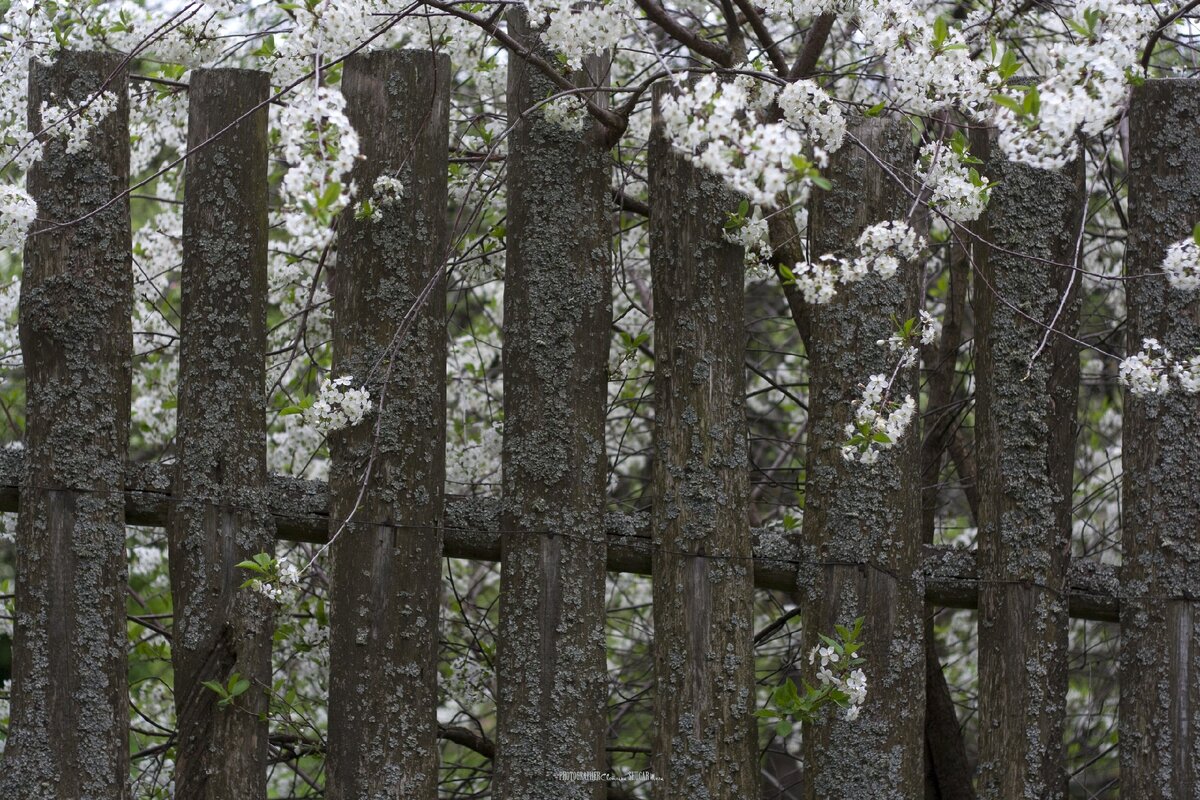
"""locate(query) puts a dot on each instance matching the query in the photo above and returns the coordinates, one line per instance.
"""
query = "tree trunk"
(70, 704)
(388, 472)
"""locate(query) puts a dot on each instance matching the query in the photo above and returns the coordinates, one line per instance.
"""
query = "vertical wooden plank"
(865, 519)
(387, 577)
(1160, 531)
(705, 741)
(221, 471)
(70, 704)
(551, 673)
(1025, 435)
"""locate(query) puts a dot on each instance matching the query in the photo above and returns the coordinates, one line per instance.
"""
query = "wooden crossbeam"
(471, 530)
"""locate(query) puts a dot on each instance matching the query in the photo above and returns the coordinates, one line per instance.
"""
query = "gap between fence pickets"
(301, 511)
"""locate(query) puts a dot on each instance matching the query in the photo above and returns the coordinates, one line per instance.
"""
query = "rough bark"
(70, 705)
(705, 738)
(551, 671)
(1025, 435)
(1160, 533)
(862, 522)
(388, 472)
(220, 515)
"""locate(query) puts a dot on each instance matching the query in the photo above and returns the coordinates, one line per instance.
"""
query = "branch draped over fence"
(472, 530)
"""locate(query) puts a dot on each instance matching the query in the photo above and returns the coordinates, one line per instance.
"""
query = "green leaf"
(330, 195)
(1008, 102)
(1196, 233)
(940, 32)
(1009, 65)
(239, 688)
(1033, 101)
(783, 728)
(215, 687)
(822, 182)
(875, 110)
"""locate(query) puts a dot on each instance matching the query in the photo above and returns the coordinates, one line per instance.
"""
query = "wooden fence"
(859, 553)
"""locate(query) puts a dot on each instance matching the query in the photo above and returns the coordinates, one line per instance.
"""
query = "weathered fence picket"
(1160, 522)
(219, 515)
(70, 701)
(388, 474)
(1027, 383)
(388, 524)
(705, 742)
(551, 666)
(862, 521)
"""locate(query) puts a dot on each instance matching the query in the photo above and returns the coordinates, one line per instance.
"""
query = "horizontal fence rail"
(472, 530)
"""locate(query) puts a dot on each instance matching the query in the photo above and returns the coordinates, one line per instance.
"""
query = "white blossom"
(1146, 372)
(75, 121)
(810, 110)
(931, 328)
(17, 212)
(1182, 265)
(881, 247)
(1188, 374)
(956, 189)
(716, 123)
(568, 111)
(338, 406)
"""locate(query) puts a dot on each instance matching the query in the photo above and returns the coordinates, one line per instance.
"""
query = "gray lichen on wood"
(551, 671)
(219, 514)
(1160, 521)
(1025, 411)
(386, 572)
(705, 745)
(70, 703)
(867, 517)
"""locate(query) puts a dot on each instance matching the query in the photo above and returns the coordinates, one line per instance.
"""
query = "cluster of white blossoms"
(1182, 264)
(955, 187)
(339, 405)
(881, 247)
(853, 684)
(17, 212)
(810, 110)
(1149, 371)
(1083, 83)
(320, 146)
(753, 234)
(321, 31)
(568, 111)
(929, 63)
(806, 9)
(578, 30)
(275, 585)
(925, 329)
(720, 125)
(878, 422)
(76, 121)
(386, 191)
